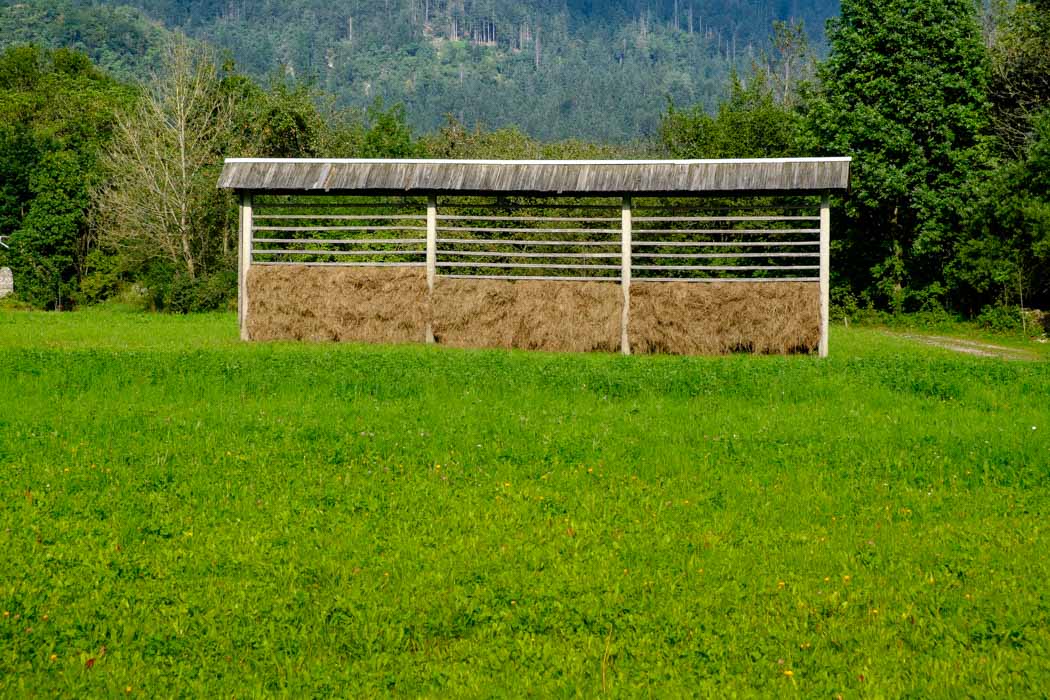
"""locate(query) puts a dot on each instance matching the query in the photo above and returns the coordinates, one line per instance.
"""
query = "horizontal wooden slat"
(468, 241)
(308, 229)
(342, 217)
(343, 241)
(548, 278)
(261, 207)
(724, 244)
(510, 206)
(497, 254)
(726, 279)
(342, 264)
(722, 255)
(734, 231)
(282, 251)
(472, 229)
(562, 219)
(716, 219)
(722, 268)
(528, 266)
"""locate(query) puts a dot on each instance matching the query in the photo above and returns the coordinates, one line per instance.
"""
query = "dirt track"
(972, 347)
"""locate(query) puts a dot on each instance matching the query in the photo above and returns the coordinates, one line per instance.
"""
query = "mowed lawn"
(186, 515)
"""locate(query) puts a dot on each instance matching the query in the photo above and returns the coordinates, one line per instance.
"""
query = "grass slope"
(184, 514)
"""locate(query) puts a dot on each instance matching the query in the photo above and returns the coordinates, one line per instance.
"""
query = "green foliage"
(1001, 319)
(357, 521)
(1020, 84)
(1006, 257)
(904, 93)
(750, 124)
(387, 134)
(455, 140)
(121, 40)
(44, 248)
(282, 122)
(213, 292)
(56, 114)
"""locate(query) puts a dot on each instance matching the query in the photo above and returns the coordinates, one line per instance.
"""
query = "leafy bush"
(206, 293)
(1001, 319)
(101, 282)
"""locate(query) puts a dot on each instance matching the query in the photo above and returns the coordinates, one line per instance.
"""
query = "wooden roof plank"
(540, 178)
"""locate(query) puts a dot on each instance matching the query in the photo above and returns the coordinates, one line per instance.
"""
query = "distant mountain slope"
(600, 70)
(122, 40)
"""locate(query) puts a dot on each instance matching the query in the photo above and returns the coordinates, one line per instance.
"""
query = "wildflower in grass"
(780, 585)
(789, 673)
(53, 657)
(845, 579)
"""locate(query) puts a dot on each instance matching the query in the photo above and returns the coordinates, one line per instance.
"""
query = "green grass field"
(186, 515)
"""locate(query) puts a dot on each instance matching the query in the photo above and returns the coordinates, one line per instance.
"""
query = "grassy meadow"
(187, 515)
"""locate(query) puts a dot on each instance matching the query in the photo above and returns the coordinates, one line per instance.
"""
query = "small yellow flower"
(874, 611)
(54, 657)
(845, 579)
(780, 585)
(789, 673)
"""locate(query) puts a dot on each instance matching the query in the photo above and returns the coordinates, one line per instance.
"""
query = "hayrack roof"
(751, 177)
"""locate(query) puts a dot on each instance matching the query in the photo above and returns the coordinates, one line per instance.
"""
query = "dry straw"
(382, 305)
(540, 315)
(684, 318)
(367, 305)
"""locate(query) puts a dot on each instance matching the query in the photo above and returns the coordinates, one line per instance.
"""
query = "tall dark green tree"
(1006, 259)
(56, 115)
(45, 249)
(904, 92)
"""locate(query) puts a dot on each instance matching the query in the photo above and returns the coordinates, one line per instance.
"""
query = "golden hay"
(350, 304)
(684, 318)
(528, 315)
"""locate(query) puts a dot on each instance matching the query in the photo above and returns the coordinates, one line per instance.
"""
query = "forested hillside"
(554, 68)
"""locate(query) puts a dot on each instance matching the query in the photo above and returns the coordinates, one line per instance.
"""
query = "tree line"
(108, 189)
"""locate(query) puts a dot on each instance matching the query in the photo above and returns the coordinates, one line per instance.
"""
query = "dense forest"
(943, 104)
(583, 69)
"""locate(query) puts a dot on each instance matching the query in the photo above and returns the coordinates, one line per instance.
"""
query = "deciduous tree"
(163, 164)
(904, 92)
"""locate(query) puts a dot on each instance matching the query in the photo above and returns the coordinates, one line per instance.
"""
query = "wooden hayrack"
(612, 221)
